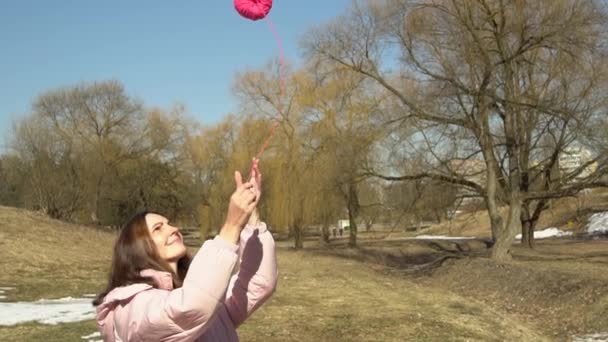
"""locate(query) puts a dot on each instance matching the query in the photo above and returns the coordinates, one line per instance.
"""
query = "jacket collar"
(163, 280)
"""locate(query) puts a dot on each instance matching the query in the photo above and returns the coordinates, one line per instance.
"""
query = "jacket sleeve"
(256, 279)
(171, 315)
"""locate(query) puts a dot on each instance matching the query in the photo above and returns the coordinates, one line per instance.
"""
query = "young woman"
(157, 293)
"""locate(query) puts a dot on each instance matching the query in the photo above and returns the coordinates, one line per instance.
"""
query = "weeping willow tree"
(210, 152)
(290, 203)
(344, 111)
(288, 195)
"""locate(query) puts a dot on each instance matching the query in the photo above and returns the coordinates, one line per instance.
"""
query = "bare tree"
(496, 72)
(53, 185)
(14, 175)
(343, 109)
(285, 161)
(99, 122)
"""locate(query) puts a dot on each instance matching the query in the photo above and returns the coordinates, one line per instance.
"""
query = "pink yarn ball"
(253, 9)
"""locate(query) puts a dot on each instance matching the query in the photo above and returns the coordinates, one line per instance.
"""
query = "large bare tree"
(501, 75)
(98, 121)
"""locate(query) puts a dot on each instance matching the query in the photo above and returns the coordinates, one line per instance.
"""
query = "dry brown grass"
(568, 214)
(319, 297)
(323, 298)
(561, 287)
(42, 257)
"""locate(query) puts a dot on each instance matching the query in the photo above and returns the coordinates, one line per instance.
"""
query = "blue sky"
(163, 51)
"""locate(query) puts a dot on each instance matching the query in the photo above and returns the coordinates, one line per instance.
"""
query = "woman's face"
(168, 240)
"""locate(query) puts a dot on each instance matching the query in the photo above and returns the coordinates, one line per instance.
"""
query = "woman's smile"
(174, 238)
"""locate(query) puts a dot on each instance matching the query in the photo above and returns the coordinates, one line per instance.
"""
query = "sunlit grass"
(319, 297)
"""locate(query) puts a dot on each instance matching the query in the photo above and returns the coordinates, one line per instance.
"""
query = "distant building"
(343, 224)
(575, 157)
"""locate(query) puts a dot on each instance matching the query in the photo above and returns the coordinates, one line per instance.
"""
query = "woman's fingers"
(238, 179)
(255, 170)
(245, 187)
(245, 197)
(256, 176)
(247, 194)
(251, 207)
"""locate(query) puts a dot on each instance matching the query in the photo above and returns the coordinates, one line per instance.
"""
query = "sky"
(164, 52)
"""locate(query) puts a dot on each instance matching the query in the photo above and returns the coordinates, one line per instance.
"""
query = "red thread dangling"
(256, 10)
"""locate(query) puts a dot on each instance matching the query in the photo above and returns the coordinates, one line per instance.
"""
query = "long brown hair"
(135, 251)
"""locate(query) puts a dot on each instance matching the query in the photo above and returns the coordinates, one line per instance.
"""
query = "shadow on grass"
(416, 256)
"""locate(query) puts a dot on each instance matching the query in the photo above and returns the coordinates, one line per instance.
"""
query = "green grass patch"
(52, 333)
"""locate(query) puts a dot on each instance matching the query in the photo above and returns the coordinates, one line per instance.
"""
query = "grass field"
(374, 293)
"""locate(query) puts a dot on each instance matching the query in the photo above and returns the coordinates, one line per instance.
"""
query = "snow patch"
(3, 291)
(47, 311)
(442, 237)
(94, 337)
(547, 233)
(598, 223)
(603, 337)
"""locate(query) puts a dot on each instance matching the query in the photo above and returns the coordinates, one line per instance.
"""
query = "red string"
(282, 93)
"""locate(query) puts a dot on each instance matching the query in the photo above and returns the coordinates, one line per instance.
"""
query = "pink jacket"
(209, 306)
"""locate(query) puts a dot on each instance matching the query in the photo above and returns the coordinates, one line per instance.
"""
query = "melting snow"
(547, 233)
(46, 311)
(442, 237)
(94, 337)
(598, 223)
(3, 290)
(591, 338)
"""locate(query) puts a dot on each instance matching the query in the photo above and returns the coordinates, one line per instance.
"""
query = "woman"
(155, 293)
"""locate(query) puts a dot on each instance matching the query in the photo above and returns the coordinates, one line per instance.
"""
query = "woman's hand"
(242, 204)
(256, 179)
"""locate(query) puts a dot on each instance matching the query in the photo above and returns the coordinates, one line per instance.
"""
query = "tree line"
(401, 109)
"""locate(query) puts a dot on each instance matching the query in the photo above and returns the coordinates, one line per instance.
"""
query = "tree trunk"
(492, 182)
(530, 231)
(352, 238)
(525, 225)
(353, 211)
(325, 233)
(438, 215)
(298, 240)
(496, 223)
(525, 233)
(97, 199)
(500, 250)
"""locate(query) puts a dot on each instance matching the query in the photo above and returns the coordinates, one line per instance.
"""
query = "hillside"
(41, 257)
(567, 214)
(319, 297)
(332, 293)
